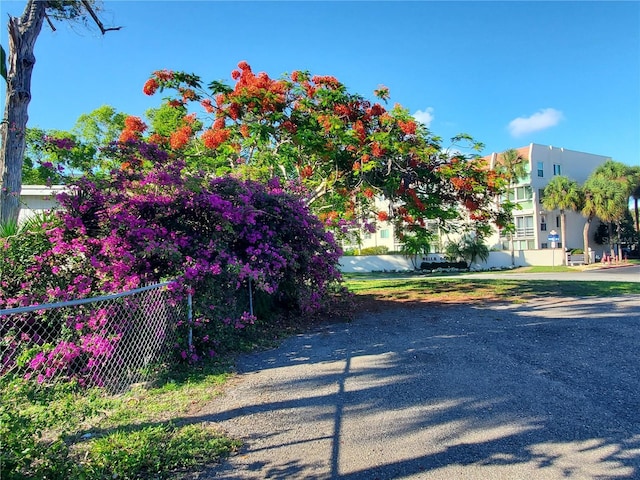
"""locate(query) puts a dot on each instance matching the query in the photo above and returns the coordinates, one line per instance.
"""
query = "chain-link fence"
(110, 341)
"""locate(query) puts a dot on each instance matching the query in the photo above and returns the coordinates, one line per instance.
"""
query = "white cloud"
(548, 117)
(425, 116)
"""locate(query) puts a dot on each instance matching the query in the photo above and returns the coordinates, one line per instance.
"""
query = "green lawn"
(464, 288)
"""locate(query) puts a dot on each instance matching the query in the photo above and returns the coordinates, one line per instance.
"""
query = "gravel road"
(549, 389)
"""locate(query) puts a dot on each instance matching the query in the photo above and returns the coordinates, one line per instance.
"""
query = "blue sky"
(565, 74)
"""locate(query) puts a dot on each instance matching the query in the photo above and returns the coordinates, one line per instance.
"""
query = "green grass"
(544, 269)
(466, 289)
(64, 432)
(153, 451)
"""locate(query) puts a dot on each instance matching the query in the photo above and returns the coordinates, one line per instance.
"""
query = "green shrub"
(434, 265)
(379, 250)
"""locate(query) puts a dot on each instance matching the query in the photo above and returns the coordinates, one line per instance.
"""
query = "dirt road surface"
(548, 389)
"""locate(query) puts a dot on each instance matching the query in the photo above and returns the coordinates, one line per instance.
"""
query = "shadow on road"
(547, 389)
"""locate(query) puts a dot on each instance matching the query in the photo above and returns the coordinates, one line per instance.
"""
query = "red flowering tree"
(342, 148)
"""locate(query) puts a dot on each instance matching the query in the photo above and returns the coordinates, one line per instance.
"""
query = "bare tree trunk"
(612, 251)
(513, 252)
(585, 240)
(619, 239)
(23, 33)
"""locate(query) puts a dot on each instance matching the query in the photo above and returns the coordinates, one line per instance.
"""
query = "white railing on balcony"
(524, 232)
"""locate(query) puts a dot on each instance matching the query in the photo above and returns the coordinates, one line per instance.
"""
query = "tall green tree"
(100, 126)
(23, 34)
(53, 155)
(563, 194)
(591, 196)
(620, 179)
(513, 168)
(635, 195)
(607, 192)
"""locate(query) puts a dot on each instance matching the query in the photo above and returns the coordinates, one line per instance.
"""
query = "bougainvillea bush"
(151, 220)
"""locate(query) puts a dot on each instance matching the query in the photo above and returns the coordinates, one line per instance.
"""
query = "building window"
(543, 227)
(544, 245)
(524, 226)
(558, 222)
(523, 193)
(367, 235)
(384, 233)
(540, 169)
(524, 244)
(540, 195)
(556, 169)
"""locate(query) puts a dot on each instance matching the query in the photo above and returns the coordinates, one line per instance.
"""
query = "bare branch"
(53, 27)
(89, 8)
(319, 191)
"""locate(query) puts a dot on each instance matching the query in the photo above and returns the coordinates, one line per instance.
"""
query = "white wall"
(374, 263)
(38, 198)
(497, 259)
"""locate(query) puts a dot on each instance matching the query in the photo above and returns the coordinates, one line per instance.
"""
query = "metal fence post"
(190, 318)
(250, 299)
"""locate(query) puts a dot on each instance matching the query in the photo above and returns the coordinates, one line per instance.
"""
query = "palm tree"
(635, 194)
(468, 248)
(589, 211)
(613, 192)
(514, 168)
(415, 243)
(563, 194)
(606, 196)
(474, 248)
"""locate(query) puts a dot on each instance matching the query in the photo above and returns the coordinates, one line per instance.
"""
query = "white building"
(533, 223)
(38, 198)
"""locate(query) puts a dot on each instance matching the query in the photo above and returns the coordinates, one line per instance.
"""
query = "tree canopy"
(344, 150)
(563, 194)
(606, 195)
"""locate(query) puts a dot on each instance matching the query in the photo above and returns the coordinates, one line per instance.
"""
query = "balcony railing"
(524, 232)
